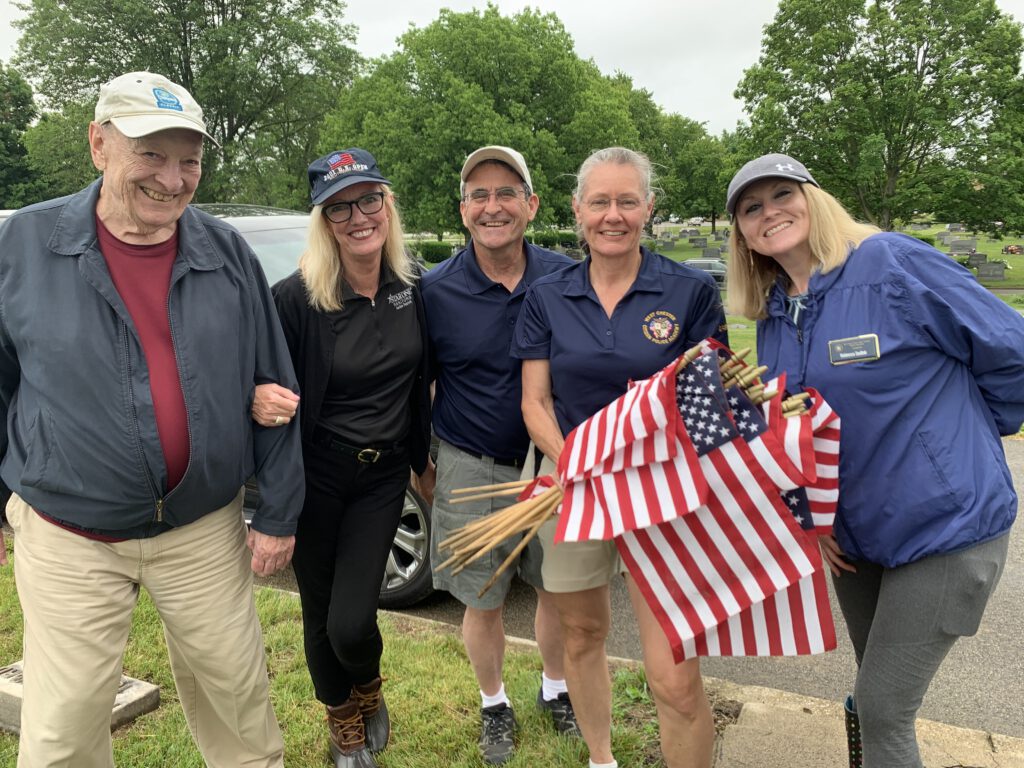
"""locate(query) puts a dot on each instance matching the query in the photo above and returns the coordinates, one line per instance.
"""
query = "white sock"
(612, 764)
(498, 698)
(551, 688)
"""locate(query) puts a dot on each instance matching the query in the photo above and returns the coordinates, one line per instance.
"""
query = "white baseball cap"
(505, 155)
(141, 103)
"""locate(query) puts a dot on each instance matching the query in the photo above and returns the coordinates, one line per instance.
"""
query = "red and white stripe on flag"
(742, 547)
(796, 621)
(614, 501)
(616, 437)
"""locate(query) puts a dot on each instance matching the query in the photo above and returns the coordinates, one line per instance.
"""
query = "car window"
(278, 250)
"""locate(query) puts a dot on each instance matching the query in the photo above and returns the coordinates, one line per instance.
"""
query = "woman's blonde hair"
(321, 267)
(833, 234)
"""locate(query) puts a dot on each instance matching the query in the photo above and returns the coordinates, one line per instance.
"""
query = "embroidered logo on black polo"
(661, 327)
(402, 299)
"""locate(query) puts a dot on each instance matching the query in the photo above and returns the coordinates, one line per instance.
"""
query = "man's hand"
(424, 484)
(269, 553)
(3, 549)
(273, 405)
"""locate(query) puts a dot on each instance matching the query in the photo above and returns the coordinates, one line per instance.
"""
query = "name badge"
(856, 349)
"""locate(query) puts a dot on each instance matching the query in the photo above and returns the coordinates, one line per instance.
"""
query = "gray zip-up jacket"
(80, 441)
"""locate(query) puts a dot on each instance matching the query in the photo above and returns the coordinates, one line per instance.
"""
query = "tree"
(16, 112)
(264, 73)
(871, 95)
(58, 151)
(475, 78)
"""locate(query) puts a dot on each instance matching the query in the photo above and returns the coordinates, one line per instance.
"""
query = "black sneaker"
(497, 733)
(562, 715)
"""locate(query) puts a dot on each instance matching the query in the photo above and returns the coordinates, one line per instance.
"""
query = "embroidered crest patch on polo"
(661, 327)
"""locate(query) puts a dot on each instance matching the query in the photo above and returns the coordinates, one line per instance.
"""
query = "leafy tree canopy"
(875, 96)
(264, 73)
(16, 112)
(476, 78)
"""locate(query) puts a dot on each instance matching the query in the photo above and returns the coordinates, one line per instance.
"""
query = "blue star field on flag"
(702, 404)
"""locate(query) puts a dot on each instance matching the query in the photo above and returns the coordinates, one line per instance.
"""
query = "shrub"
(545, 238)
(930, 239)
(434, 252)
(567, 238)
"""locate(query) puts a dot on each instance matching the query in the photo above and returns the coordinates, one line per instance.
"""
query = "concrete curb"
(777, 729)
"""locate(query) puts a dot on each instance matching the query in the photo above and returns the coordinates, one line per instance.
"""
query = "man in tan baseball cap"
(133, 328)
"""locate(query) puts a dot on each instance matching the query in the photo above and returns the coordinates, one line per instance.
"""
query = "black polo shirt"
(377, 351)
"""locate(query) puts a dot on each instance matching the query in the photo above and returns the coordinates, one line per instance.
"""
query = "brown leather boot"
(376, 722)
(348, 744)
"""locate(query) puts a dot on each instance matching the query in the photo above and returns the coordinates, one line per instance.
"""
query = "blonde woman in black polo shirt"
(353, 319)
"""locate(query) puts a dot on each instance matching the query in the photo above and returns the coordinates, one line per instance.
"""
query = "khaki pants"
(77, 597)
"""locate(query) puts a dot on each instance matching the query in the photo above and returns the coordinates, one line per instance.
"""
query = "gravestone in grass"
(699, 242)
(992, 271)
(963, 246)
(134, 699)
(976, 259)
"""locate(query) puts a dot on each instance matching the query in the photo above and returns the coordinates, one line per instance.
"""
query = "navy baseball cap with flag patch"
(336, 171)
(766, 167)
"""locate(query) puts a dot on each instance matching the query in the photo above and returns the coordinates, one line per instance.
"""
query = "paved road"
(981, 684)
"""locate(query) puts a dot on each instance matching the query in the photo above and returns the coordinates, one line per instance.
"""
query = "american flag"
(796, 620)
(636, 447)
(339, 159)
(710, 559)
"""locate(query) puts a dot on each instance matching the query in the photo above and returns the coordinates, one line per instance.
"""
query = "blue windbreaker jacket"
(921, 466)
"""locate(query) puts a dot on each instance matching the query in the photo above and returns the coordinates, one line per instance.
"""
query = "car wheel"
(407, 575)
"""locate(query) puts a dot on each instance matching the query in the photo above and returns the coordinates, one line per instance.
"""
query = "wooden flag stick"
(495, 487)
(489, 495)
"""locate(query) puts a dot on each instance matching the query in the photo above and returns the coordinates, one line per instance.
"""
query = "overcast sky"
(689, 54)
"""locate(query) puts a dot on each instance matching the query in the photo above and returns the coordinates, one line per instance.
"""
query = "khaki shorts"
(574, 566)
(458, 469)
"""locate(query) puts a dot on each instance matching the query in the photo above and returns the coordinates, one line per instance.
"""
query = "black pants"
(342, 544)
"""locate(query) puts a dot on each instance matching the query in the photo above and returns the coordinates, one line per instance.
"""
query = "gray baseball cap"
(771, 166)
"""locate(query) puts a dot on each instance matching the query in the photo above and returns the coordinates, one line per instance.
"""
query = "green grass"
(429, 686)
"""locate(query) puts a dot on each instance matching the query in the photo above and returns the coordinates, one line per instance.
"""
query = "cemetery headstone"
(975, 259)
(992, 271)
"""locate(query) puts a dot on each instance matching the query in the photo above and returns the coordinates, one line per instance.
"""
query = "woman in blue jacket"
(926, 369)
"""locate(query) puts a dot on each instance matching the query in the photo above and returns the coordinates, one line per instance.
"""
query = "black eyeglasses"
(341, 212)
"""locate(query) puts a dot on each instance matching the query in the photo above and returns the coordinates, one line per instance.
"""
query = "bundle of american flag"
(715, 492)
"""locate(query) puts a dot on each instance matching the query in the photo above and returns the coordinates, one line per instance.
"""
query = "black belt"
(324, 438)
(517, 463)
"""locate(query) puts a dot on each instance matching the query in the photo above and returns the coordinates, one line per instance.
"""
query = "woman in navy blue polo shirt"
(926, 369)
(583, 333)
(354, 322)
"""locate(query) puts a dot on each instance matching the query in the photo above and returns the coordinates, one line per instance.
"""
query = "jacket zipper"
(158, 501)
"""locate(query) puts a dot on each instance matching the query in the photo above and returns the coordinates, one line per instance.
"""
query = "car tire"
(408, 576)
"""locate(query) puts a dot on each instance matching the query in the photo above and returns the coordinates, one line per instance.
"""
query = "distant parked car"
(278, 237)
(714, 267)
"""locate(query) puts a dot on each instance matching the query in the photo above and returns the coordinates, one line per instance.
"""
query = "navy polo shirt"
(669, 308)
(470, 320)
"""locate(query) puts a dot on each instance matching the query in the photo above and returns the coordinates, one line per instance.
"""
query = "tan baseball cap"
(141, 103)
(506, 155)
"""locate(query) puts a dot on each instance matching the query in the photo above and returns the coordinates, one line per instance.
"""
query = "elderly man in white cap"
(132, 331)
(472, 301)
